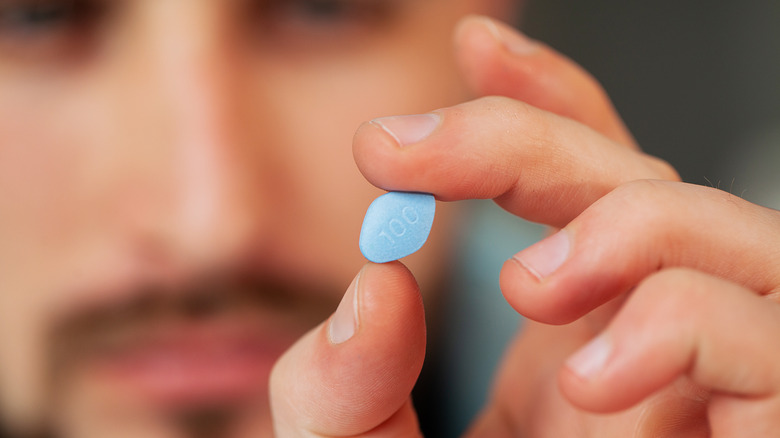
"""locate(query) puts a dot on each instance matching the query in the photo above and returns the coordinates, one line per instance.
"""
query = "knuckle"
(650, 214)
(510, 112)
(499, 117)
(644, 189)
(665, 170)
(645, 204)
(671, 293)
(495, 101)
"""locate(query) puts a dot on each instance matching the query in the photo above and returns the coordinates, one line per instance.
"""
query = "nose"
(199, 194)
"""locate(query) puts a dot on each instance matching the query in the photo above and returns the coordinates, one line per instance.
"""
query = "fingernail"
(543, 258)
(512, 39)
(408, 130)
(589, 360)
(344, 322)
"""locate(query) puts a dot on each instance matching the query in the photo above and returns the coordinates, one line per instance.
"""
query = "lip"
(193, 364)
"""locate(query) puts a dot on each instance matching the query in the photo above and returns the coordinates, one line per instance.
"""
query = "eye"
(43, 29)
(321, 22)
(327, 10)
(30, 16)
(330, 10)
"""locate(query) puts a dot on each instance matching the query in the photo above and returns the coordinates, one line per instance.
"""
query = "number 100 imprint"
(396, 224)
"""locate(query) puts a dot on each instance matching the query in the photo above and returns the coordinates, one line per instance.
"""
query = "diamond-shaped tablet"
(396, 224)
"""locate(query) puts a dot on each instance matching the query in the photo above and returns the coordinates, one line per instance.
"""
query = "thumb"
(353, 374)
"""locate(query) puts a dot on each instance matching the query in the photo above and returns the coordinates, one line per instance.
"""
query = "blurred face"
(178, 200)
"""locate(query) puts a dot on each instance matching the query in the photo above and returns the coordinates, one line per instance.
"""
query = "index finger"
(535, 164)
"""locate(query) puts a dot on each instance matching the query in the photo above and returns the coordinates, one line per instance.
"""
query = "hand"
(693, 338)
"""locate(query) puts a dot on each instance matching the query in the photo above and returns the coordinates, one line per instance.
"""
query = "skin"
(154, 183)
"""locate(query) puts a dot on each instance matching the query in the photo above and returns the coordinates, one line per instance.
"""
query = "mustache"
(199, 300)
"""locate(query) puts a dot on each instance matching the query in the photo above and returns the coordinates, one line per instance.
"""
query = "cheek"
(38, 169)
(53, 173)
(31, 176)
(53, 164)
(40, 175)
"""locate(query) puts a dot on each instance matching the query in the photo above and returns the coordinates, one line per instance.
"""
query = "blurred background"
(698, 84)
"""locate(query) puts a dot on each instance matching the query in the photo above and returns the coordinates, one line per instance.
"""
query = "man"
(179, 198)
(180, 206)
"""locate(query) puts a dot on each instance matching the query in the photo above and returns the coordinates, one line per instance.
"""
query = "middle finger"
(634, 231)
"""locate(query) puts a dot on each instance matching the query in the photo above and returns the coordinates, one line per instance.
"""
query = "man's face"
(178, 200)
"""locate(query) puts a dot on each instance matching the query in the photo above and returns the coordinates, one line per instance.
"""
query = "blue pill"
(396, 224)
